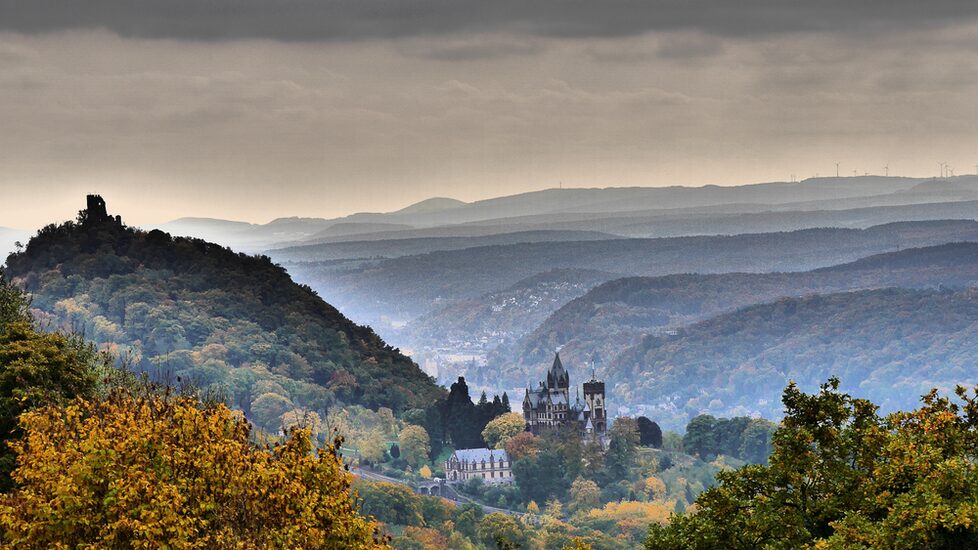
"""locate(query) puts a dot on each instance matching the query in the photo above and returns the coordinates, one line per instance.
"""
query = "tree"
(395, 451)
(498, 530)
(755, 444)
(373, 449)
(414, 445)
(540, 477)
(38, 369)
(152, 471)
(390, 502)
(267, 410)
(501, 429)
(532, 507)
(650, 434)
(554, 509)
(700, 439)
(842, 477)
(585, 494)
(425, 472)
(622, 443)
(521, 445)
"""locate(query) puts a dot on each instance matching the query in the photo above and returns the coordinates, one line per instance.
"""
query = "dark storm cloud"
(338, 20)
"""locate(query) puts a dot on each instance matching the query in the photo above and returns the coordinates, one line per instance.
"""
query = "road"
(455, 497)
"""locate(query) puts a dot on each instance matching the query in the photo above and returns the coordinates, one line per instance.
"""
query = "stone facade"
(491, 465)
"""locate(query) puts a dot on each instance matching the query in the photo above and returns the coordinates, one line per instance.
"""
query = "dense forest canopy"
(184, 307)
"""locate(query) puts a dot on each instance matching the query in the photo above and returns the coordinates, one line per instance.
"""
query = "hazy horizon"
(247, 112)
(124, 204)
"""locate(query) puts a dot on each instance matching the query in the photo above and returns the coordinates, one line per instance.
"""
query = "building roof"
(480, 455)
(557, 376)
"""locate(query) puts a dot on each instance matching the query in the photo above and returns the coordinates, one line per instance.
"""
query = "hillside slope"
(889, 345)
(618, 313)
(410, 286)
(199, 311)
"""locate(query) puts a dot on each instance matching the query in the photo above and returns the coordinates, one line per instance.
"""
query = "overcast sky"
(253, 110)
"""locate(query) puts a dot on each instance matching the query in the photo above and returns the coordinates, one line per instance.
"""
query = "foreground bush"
(151, 472)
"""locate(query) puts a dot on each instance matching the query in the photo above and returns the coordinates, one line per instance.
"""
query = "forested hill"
(202, 312)
(615, 315)
(889, 345)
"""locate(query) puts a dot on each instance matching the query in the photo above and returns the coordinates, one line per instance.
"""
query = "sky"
(253, 110)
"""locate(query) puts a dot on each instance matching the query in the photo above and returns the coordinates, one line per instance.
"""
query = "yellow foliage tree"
(632, 518)
(152, 472)
(425, 472)
(533, 507)
(655, 487)
(414, 444)
(501, 429)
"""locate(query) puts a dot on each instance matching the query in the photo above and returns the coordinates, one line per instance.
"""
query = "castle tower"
(95, 209)
(594, 397)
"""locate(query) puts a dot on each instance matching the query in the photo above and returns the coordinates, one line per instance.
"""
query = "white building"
(492, 465)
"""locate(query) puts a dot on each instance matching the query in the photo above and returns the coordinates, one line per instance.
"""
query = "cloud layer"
(337, 20)
(240, 111)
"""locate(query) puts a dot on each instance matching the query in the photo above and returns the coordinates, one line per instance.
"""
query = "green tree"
(498, 530)
(700, 439)
(623, 439)
(414, 445)
(541, 476)
(391, 503)
(38, 369)
(842, 477)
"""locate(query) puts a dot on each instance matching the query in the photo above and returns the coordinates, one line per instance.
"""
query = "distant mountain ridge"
(394, 248)
(819, 193)
(410, 286)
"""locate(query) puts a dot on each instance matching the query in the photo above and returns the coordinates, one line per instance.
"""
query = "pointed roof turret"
(558, 377)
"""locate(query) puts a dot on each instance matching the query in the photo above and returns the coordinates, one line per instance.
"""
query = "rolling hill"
(617, 314)
(410, 286)
(393, 248)
(889, 345)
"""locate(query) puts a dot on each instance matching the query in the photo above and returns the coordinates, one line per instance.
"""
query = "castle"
(549, 405)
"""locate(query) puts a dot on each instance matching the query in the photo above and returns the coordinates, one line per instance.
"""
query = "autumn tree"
(153, 471)
(499, 530)
(585, 494)
(37, 369)
(373, 449)
(414, 445)
(521, 445)
(501, 429)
